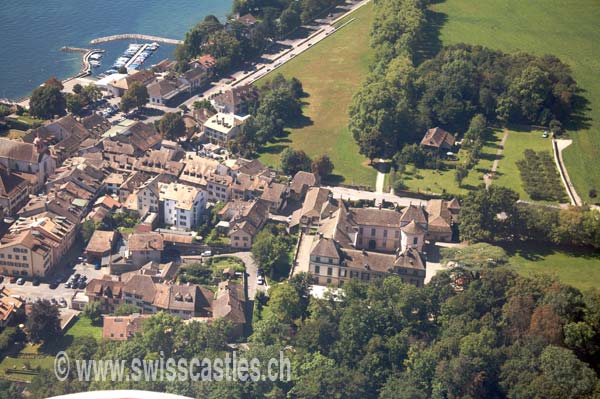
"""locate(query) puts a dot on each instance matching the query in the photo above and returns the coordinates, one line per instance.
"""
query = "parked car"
(62, 303)
(206, 253)
(53, 301)
(13, 280)
(36, 281)
(68, 284)
(81, 285)
(97, 266)
(20, 281)
(1, 278)
(260, 280)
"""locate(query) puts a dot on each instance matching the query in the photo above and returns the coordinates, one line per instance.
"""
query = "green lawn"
(507, 174)
(437, 182)
(81, 328)
(331, 72)
(578, 268)
(568, 30)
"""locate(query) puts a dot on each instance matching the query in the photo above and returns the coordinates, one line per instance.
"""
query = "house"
(197, 170)
(236, 100)
(148, 197)
(438, 139)
(207, 62)
(300, 184)
(441, 219)
(230, 305)
(247, 19)
(14, 192)
(245, 218)
(27, 158)
(163, 161)
(182, 205)
(187, 301)
(332, 265)
(113, 182)
(275, 195)
(96, 124)
(9, 306)
(122, 328)
(197, 77)
(221, 128)
(309, 215)
(144, 247)
(120, 86)
(34, 246)
(166, 91)
(219, 187)
(100, 245)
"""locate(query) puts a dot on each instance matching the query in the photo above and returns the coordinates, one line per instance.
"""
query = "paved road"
(354, 195)
(561, 144)
(251, 270)
(321, 29)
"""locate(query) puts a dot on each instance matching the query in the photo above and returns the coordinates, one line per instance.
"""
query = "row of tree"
(493, 214)
(399, 100)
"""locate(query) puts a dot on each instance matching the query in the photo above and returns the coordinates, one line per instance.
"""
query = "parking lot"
(31, 293)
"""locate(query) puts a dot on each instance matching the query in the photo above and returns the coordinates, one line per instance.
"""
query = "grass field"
(507, 174)
(568, 30)
(81, 328)
(578, 268)
(331, 72)
(434, 181)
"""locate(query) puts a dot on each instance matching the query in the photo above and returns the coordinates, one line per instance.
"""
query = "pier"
(135, 36)
(132, 59)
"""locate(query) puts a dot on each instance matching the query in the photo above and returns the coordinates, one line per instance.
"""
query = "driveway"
(433, 265)
(354, 195)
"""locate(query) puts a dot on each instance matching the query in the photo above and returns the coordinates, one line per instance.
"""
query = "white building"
(220, 128)
(182, 205)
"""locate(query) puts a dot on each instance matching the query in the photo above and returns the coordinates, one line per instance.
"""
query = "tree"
(293, 161)
(91, 93)
(4, 111)
(460, 174)
(74, 103)
(270, 251)
(289, 20)
(43, 322)
(122, 70)
(126, 309)
(476, 130)
(53, 82)
(556, 127)
(489, 214)
(93, 311)
(46, 102)
(77, 88)
(127, 103)
(88, 228)
(135, 97)
(322, 166)
(172, 126)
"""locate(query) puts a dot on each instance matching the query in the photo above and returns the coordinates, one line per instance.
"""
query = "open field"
(331, 72)
(428, 180)
(579, 268)
(566, 30)
(507, 174)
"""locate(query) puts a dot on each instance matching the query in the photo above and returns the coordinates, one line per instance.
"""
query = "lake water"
(33, 31)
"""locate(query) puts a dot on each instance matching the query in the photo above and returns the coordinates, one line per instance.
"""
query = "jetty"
(135, 36)
(86, 66)
(132, 59)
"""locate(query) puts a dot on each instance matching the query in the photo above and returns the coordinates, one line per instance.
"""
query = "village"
(95, 211)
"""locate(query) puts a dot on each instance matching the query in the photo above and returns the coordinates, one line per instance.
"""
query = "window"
(317, 259)
(329, 271)
(360, 230)
(415, 240)
(342, 272)
(372, 232)
(331, 261)
(383, 244)
(385, 233)
(318, 269)
(397, 234)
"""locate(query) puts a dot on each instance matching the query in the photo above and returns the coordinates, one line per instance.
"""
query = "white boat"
(95, 64)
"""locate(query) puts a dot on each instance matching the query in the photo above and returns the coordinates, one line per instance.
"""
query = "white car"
(206, 253)
(260, 280)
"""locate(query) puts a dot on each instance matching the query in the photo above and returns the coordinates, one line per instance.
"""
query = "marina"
(134, 57)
